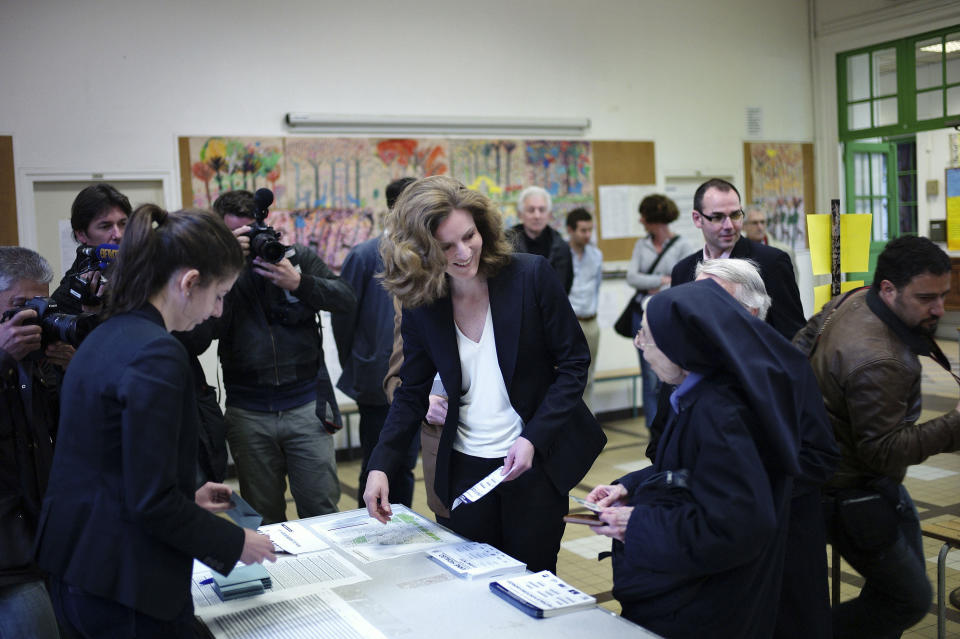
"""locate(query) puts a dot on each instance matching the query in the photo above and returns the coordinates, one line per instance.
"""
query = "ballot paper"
(366, 539)
(293, 537)
(326, 568)
(320, 613)
(480, 489)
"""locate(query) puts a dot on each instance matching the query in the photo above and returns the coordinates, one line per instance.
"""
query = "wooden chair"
(949, 533)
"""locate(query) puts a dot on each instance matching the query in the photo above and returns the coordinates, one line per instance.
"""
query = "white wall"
(107, 86)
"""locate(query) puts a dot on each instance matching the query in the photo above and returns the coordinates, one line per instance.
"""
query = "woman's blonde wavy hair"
(414, 265)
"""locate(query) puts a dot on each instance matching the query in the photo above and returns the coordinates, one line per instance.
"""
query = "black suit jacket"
(119, 519)
(543, 357)
(776, 269)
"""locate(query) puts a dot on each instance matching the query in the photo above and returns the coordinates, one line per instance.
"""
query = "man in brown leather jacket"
(866, 361)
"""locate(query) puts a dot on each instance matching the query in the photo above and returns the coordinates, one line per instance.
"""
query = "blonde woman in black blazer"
(446, 259)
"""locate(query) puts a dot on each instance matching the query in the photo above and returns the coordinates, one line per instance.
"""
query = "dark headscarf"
(703, 329)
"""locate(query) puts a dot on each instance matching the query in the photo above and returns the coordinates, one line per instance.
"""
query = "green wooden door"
(871, 187)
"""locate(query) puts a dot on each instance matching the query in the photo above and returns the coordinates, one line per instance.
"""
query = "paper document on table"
(366, 539)
(326, 568)
(321, 613)
(480, 489)
(293, 537)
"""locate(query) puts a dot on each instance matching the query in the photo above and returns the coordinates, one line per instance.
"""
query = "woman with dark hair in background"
(500, 331)
(121, 521)
(649, 272)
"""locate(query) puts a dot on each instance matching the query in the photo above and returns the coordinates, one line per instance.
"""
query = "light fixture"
(952, 46)
(395, 125)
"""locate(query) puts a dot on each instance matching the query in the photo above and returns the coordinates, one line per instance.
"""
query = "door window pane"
(861, 175)
(885, 72)
(953, 58)
(906, 184)
(858, 77)
(880, 222)
(862, 205)
(878, 173)
(908, 218)
(930, 105)
(906, 157)
(929, 63)
(858, 116)
(885, 112)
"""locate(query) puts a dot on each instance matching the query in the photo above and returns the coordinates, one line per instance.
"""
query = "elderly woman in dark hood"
(700, 536)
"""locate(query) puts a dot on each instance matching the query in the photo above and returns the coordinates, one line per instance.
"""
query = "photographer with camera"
(98, 217)
(30, 379)
(281, 409)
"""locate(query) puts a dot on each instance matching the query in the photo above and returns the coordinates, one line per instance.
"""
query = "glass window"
(885, 72)
(929, 63)
(863, 205)
(885, 112)
(858, 116)
(953, 100)
(858, 77)
(953, 58)
(930, 104)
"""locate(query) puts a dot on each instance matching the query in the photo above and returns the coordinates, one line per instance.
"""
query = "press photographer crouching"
(98, 217)
(280, 408)
(31, 370)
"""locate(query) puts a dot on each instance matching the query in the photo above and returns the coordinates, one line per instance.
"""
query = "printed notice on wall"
(618, 210)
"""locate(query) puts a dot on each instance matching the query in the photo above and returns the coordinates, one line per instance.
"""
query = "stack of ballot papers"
(243, 581)
(471, 560)
(542, 594)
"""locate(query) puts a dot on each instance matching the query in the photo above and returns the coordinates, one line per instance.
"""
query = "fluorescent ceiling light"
(393, 125)
(952, 47)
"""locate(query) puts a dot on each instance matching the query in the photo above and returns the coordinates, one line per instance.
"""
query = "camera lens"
(72, 329)
(265, 245)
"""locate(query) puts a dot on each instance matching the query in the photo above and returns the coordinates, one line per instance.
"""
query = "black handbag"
(624, 324)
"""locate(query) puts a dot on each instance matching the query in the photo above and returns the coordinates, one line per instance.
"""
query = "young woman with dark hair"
(121, 521)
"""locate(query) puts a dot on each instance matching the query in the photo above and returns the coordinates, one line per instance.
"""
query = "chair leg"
(835, 575)
(941, 591)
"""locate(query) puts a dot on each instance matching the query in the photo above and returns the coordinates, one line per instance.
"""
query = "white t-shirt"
(488, 423)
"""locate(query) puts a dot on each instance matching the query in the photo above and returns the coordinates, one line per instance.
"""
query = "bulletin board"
(778, 178)
(621, 163)
(329, 191)
(9, 234)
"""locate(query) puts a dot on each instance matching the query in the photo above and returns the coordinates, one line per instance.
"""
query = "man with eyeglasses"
(718, 213)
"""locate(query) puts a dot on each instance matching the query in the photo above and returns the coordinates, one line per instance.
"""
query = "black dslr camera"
(264, 241)
(55, 326)
(96, 258)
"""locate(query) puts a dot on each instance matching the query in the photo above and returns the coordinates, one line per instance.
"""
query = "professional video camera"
(55, 326)
(264, 241)
(96, 258)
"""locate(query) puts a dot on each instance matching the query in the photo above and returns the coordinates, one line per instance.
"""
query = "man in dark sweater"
(535, 235)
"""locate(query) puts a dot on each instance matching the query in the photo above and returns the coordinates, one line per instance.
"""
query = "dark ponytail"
(157, 243)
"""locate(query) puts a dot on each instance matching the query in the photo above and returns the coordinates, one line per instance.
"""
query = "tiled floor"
(934, 485)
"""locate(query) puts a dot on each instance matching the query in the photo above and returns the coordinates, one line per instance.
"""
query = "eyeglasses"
(717, 218)
(642, 339)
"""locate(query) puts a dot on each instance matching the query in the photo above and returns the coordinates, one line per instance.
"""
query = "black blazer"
(776, 269)
(543, 357)
(119, 519)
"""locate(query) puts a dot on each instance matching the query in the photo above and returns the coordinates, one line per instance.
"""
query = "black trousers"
(88, 616)
(372, 417)
(522, 517)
